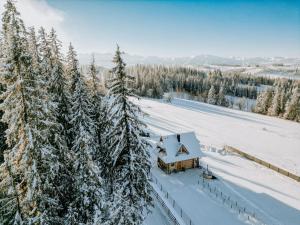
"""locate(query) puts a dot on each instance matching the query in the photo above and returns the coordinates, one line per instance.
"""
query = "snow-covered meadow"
(271, 139)
(274, 198)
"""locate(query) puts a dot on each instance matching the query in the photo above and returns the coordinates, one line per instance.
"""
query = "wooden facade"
(179, 165)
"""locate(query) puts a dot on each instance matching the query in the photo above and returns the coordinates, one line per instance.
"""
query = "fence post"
(180, 212)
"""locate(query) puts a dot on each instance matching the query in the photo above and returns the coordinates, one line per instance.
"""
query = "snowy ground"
(157, 216)
(275, 198)
(195, 202)
(271, 139)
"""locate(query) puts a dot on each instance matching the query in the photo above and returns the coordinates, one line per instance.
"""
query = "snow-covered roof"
(171, 147)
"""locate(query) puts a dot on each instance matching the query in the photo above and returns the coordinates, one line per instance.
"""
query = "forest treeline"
(275, 97)
(68, 154)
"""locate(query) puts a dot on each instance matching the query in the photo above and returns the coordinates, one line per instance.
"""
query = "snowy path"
(276, 198)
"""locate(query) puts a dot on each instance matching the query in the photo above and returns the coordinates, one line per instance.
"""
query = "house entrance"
(179, 165)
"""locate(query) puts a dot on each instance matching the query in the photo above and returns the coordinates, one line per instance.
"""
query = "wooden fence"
(264, 163)
(175, 206)
(165, 207)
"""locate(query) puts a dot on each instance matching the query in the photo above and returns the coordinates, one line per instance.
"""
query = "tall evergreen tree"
(130, 165)
(72, 69)
(275, 108)
(14, 105)
(57, 83)
(59, 95)
(264, 101)
(96, 101)
(292, 111)
(45, 54)
(31, 161)
(211, 98)
(221, 97)
(87, 196)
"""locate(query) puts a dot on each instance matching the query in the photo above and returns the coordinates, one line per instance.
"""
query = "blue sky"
(183, 28)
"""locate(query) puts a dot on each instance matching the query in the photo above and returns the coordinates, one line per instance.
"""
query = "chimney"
(178, 137)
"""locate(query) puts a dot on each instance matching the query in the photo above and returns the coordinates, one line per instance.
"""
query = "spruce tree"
(292, 111)
(87, 197)
(31, 166)
(221, 97)
(14, 106)
(275, 108)
(59, 95)
(58, 86)
(130, 165)
(71, 69)
(211, 98)
(96, 102)
(263, 102)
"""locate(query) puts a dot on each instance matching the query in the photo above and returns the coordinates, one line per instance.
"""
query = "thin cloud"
(39, 13)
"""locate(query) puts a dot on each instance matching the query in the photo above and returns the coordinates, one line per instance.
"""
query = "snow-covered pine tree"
(292, 111)
(263, 102)
(96, 102)
(211, 98)
(42, 155)
(71, 69)
(58, 83)
(221, 97)
(130, 165)
(87, 196)
(45, 54)
(31, 160)
(275, 108)
(33, 50)
(14, 106)
(259, 106)
(59, 95)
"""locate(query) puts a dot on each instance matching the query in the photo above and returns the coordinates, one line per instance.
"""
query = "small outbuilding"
(177, 152)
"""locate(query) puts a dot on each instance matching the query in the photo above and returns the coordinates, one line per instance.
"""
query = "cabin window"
(182, 150)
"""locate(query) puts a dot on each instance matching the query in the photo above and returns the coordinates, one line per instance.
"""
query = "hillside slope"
(271, 139)
(274, 197)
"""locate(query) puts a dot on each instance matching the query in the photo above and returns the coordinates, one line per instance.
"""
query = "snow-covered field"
(275, 198)
(271, 139)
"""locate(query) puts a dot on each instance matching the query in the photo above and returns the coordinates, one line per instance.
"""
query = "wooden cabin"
(177, 152)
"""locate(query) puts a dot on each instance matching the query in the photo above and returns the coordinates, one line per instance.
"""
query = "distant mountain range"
(105, 60)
